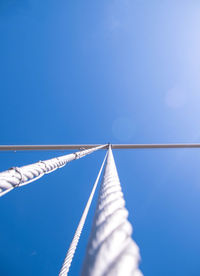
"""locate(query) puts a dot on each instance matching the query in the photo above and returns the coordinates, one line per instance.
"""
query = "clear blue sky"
(91, 72)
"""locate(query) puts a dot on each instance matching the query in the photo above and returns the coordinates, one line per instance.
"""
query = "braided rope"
(19, 176)
(70, 253)
(111, 250)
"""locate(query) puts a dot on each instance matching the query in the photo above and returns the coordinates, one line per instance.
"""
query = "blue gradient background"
(91, 72)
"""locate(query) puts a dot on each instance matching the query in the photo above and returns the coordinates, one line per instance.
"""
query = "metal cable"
(89, 146)
(111, 250)
(19, 176)
(70, 253)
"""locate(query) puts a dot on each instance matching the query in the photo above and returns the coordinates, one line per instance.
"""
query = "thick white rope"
(111, 250)
(19, 176)
(70, 253)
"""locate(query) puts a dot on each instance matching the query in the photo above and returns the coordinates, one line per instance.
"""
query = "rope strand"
(111, 250)
(69, 256)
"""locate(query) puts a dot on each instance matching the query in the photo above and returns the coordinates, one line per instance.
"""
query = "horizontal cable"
(154, 146)
(19, 176)
(89, 146)
(48, 147)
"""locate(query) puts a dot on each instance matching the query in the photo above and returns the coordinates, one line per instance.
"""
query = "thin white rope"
(70, 253)
(19, 176)
(111, 250)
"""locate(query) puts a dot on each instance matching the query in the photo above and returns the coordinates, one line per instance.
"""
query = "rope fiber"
(19, 176)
